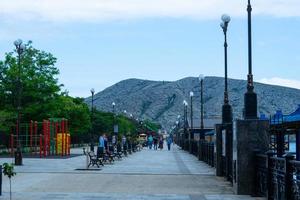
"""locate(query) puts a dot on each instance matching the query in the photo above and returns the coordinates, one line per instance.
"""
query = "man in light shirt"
(101, 140)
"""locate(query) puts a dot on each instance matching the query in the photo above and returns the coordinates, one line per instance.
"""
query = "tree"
(42, 97)
(76, 111)
(39, 83)
(8, 170)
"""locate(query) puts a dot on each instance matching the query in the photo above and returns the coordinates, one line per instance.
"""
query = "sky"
(101, 42)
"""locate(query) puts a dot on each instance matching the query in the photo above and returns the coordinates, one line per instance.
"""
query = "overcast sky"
(101, 42)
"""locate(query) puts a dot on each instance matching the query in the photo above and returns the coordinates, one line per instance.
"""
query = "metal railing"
(206, 153)
(202, 149)
(277, 178)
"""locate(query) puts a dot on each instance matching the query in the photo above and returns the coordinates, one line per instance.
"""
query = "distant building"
(209, 127)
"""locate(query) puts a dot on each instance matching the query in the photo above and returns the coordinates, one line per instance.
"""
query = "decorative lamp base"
(226, 114)
(250, 102)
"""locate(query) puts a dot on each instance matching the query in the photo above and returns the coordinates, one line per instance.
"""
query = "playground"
(41, 139)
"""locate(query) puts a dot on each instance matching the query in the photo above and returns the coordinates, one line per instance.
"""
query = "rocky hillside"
(161, 101)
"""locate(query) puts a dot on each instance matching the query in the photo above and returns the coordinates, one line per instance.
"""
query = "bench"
(118, 151)
(106, 156)
(94, 160)
(125, 149)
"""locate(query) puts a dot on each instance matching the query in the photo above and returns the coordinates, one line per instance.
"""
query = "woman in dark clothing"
(155, 141)
(161, 143)
(169, 142)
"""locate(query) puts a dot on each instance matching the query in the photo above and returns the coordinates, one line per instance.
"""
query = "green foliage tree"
(76, 111)
(151, 126)
(39, 83)
(8, 170)
(104, 122)
(42, 97)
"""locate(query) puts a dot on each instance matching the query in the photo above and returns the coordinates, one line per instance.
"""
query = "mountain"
(161, 101)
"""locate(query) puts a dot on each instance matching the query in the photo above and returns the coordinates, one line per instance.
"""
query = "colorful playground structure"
(48, 138)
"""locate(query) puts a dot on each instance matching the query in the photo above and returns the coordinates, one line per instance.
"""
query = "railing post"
(212, 154)
(205, 152)
(208, 153)
(218, 143)
(288, 176)
(298, 145)
(199, 149)
(269, 176)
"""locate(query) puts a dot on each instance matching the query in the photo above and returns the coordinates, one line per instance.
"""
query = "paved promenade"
(149, 174)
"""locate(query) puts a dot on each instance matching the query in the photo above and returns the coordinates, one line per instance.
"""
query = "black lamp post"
(178, 128)
(185, 104)
(20, 48)
(113, 106)
(92, 109)
(226, 108)
(201, 78)
(115, 131)
(250, 98)
(191, 129)
(191, 96)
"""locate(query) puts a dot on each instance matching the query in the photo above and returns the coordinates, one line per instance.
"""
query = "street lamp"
(201, 78)
(185, 104)
(191, 129)
(226, 108)
(250, 98)
(191, 96)
(113, 105)
(20, 48)
(92, 109)
(115, 126)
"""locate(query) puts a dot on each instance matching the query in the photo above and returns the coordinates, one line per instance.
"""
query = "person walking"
(124, 145)
(155, 141)
(105, 143)
(101, 140)
(114, 140)
(150, 141)
(161, 143)
(169, 142)
(100, 150)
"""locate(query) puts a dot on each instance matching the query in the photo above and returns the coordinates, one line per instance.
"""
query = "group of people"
(153, 141)
(109, 144)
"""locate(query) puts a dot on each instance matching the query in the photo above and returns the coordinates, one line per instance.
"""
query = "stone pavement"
(149, 174)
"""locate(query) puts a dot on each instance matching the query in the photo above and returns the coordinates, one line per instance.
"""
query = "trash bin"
(18, 157)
